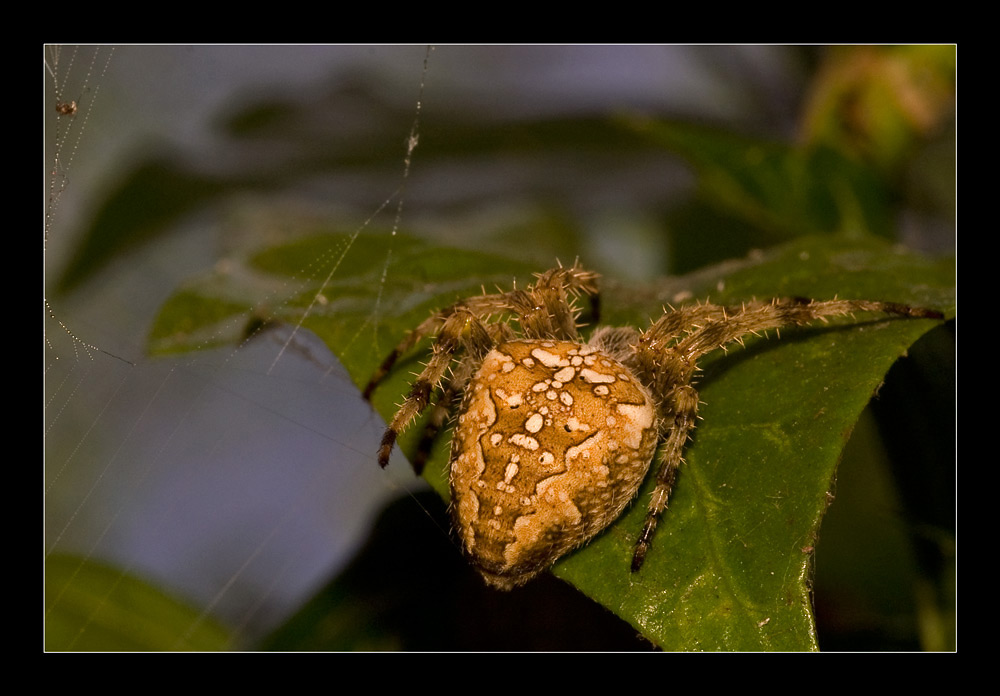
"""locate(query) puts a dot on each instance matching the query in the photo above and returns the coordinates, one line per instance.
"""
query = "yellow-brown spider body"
(553, 440)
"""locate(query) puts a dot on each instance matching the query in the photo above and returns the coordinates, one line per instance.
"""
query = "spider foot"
(643, 545)
(385, 449)
(639, 556)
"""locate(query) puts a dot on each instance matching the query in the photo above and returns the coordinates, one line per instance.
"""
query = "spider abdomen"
(552, 442)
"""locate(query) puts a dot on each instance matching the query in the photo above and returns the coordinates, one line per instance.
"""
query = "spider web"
(238, 479)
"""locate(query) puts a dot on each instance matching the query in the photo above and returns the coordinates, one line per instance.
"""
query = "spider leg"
(448, 342)
(440, 413)
(677, 322)
(430, 325)
(498, 333)
(547, 309)
(761, 316)
(682, 406)
(480, 306)
(462, 330)
(731, 323)
(539, 309)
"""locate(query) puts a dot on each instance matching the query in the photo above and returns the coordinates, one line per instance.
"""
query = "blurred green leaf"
(787, 190)
(90, 606)
(281, 142)
(147, 203)
(875, 104)
(729, 569)
(869, 110)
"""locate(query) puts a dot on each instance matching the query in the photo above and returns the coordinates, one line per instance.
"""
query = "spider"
(555, 435)
(66, 108)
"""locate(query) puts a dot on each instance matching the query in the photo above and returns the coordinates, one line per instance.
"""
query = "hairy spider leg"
(430, 325)
(553, 312)
(670, 368)
(538, 319)
(442, 408)
(460, 328)
(499, 333)
(684, 407)
(779, 313)
(480, 307)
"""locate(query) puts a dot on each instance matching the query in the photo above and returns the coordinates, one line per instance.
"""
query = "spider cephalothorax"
(555, 435)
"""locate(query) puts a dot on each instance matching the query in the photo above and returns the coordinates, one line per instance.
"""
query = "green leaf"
(147, 204)
(787, 190)
(730, 564)
(90, 606)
